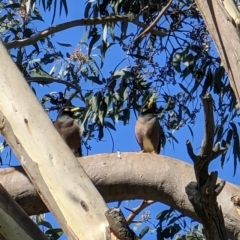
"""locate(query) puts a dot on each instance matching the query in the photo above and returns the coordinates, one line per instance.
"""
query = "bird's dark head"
(68, 111)
(149, 107)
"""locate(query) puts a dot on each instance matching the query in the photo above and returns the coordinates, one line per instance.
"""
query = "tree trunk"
(222, 28)
(57, 175)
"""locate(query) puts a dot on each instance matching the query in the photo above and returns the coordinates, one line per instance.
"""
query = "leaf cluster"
(170, 225)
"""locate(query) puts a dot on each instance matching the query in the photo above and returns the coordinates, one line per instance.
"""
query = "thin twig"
(45, 80)
(111, 138)
(190, 152)
(149, 28)
(137, 210)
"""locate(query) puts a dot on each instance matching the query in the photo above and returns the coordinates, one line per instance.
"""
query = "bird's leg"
(153, 152)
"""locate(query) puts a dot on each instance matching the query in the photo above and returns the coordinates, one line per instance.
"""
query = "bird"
(148, 130)
(69, 130)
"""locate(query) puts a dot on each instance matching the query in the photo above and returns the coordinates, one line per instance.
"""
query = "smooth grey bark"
(135, 176)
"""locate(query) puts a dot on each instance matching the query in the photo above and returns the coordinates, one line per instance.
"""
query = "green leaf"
(119, 73)
(109, 125)
(95, 80)
(84, 71)
(87, 8)
(102, 112)
(101, 59)
(170, 231)
(1, 147)
(86, 116)
(100, 133)
(88, 95)
(152, 41)
(108, 99)
(174, 219)
(111, 28)
(64, 4)
(64, 44)
(94, 39)
(54, 10)
(117, 96)
(144, 232)
(125, 94)
(176, 61)
(45, 224)
(189, 60)
(94, 104)
(116, 117)
(105, 28)
(219, 133)
(103, 48)
(171, 136)
(47, 98)
(229, 136)
(126, 116)
(164, 214)
(54, 233)
(124, 26)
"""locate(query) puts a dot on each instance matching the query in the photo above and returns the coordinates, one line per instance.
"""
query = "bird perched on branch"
(69, 130)
(148, 130)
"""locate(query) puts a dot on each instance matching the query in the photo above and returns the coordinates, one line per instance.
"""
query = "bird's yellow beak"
(69, 109)
(150, 104)
(74, 109)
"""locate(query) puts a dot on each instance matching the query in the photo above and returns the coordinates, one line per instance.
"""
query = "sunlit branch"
(81, 22)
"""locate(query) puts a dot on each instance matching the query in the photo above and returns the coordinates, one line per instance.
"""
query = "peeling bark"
(25, 125)
(119, 225)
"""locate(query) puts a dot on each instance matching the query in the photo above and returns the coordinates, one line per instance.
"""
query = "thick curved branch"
(81, 22)
(162, 179)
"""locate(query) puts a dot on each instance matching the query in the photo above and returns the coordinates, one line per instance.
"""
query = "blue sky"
(121, 142)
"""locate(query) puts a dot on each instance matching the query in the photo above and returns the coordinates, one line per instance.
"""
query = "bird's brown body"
(69, 131)
(148, 130)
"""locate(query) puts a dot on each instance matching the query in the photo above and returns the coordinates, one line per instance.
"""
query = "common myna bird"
(148, 130)
(69, 130)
